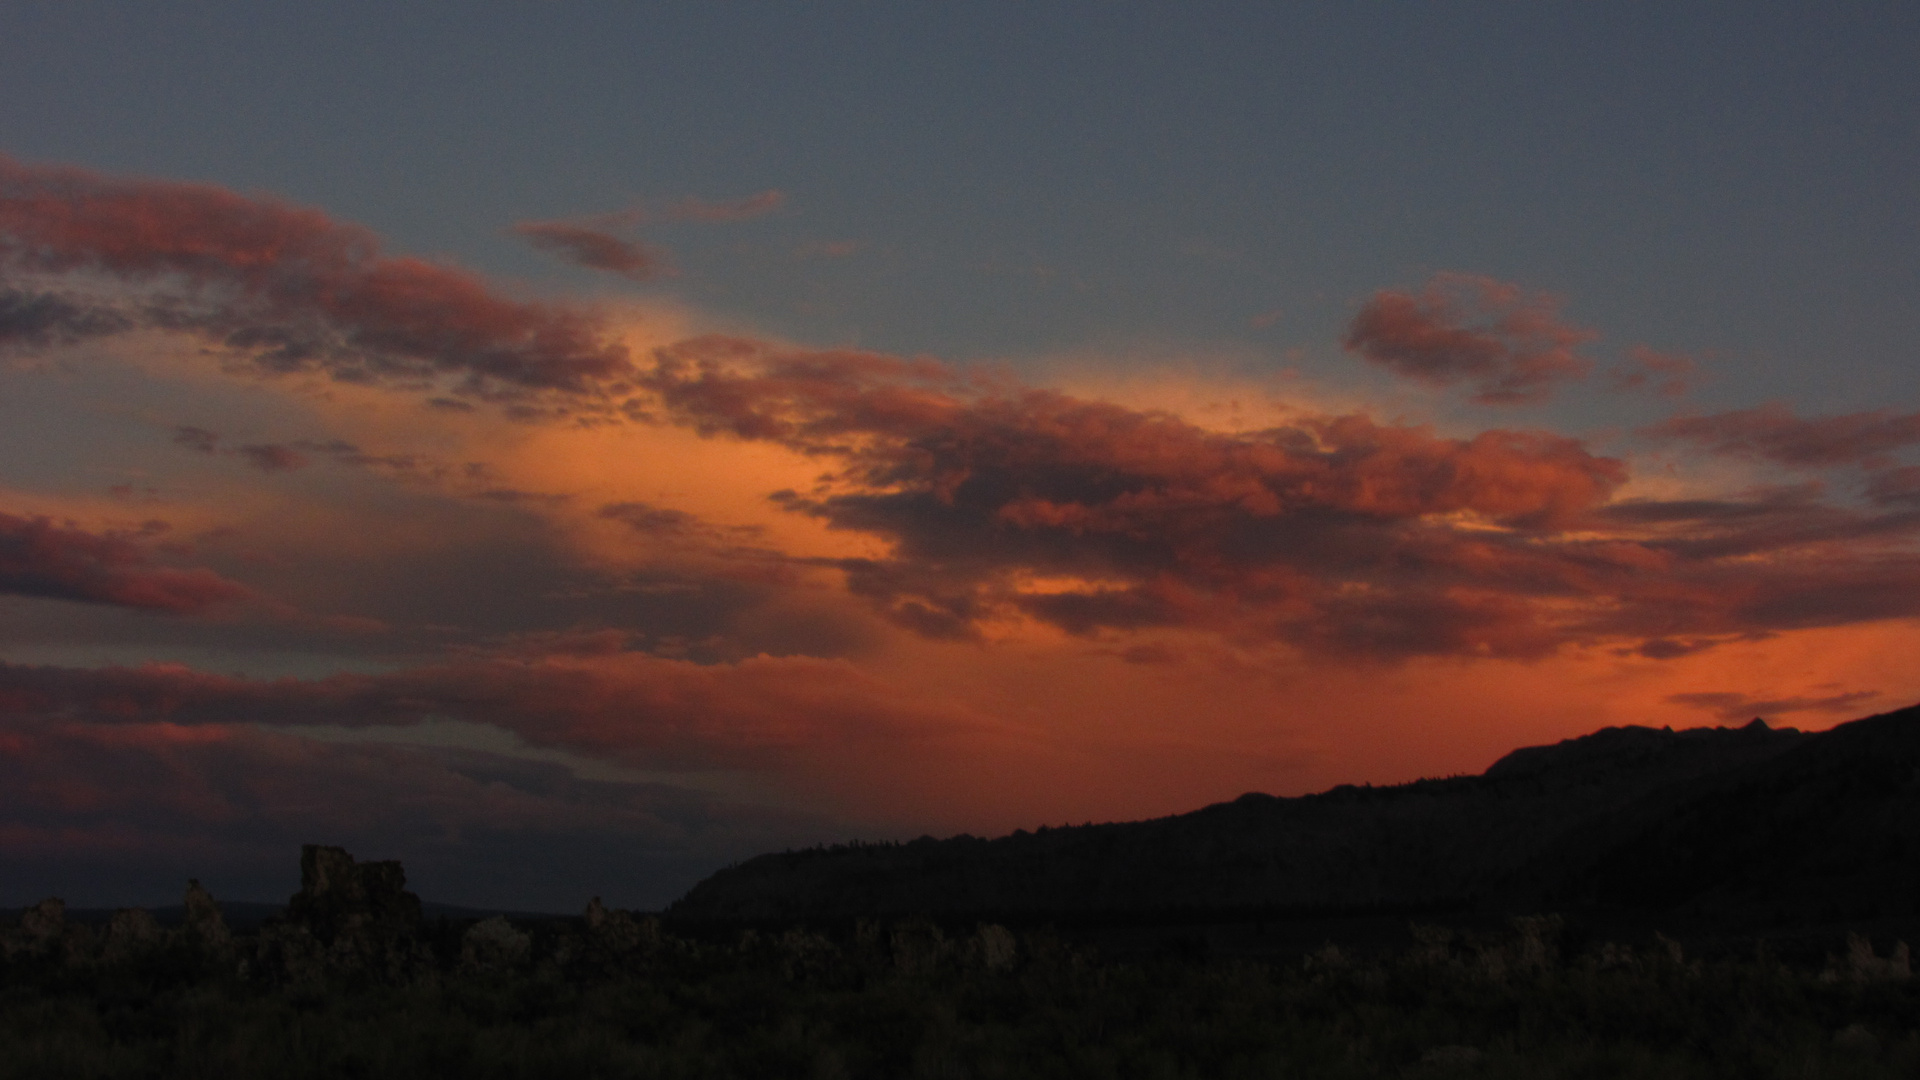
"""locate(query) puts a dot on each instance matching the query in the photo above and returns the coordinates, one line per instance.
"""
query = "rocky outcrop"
(349, 918)
(45, 934)
(341, 896)
(131, 934)
(203, 925)
(201, 942)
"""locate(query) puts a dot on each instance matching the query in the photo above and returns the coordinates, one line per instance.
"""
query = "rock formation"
(349, 918)
(340, 895)
(493, 945)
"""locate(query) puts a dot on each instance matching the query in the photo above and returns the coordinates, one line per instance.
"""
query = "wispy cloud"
(593, 249)
(753, 206)
(1508, 345)
(290, 288)
(649, 711)
(267, 457)
(1773, 433)
(1728, 705)
(1662, 374)
(593, 240)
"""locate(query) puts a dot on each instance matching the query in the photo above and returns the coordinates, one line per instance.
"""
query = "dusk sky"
(570, 447)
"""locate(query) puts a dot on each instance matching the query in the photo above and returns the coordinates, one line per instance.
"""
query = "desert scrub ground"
(611, 995)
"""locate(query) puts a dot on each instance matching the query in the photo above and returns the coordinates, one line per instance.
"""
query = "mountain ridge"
(1597, 821)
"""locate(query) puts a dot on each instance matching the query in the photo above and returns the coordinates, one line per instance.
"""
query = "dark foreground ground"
(613, 994)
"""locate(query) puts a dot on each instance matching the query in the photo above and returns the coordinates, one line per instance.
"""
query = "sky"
(570, 448)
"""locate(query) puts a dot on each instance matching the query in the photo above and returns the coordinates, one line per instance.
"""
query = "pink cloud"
(41, 559)
(293, 288)
(1508, 345)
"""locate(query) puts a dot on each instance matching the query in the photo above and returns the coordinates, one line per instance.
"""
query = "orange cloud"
(1335, 534)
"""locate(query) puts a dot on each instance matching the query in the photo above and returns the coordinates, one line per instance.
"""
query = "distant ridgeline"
(1748, 826)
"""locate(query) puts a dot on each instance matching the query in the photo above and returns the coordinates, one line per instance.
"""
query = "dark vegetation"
(1732, 903)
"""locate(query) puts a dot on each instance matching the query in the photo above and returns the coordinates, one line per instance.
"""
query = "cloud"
(1337, 535)
(267, 457)
(272, 457)
(1895, 486)
(291, 289)
(639, 709)
(1734, 706)
(40, 319)
(753, 206)
(592, 248)
(197, 439)
(591, 242)
(973, 505)
(1509, 346)
(41, 559)
(1312, 533)
(1773, 433)
(1662, 374)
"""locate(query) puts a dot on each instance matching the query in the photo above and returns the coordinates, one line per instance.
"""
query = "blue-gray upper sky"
(1019, 179)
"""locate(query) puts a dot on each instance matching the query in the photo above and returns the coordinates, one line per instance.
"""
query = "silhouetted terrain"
(1241, 940)
(1769, 827)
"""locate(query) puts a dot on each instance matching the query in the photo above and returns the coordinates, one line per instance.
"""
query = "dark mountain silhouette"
(1774, 826)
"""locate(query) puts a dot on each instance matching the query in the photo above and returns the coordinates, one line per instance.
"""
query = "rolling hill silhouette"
(1756, 825)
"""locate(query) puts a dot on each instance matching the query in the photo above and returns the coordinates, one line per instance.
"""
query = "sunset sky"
(569, 448)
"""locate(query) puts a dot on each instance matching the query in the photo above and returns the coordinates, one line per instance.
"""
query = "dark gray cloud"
(40, 319)
(40, 558)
